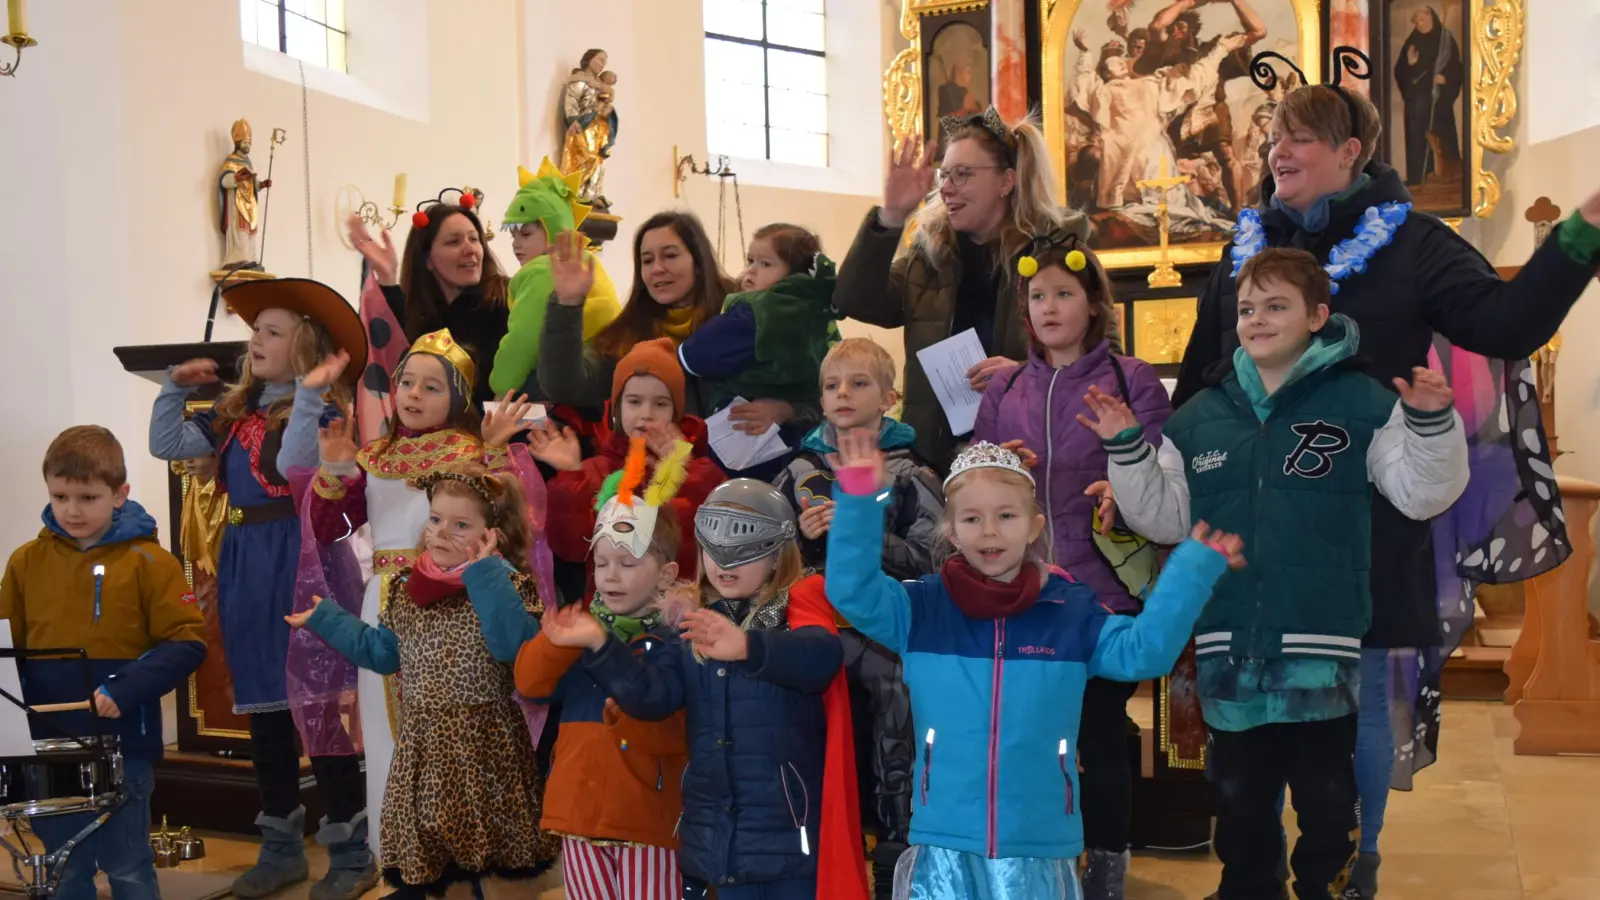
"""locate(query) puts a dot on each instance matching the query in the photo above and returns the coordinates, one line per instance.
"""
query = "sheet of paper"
(535, 413)
(738, 450)
(946, 364)
(14, 737)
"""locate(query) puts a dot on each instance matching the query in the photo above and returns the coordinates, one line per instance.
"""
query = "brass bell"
(167, 857)
(189, 846)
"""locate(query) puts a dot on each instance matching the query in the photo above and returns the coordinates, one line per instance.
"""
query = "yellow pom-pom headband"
(1076, 260)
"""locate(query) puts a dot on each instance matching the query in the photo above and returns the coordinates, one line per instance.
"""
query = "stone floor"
(1483, 824)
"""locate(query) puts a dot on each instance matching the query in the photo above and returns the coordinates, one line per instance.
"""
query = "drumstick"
(58, 707)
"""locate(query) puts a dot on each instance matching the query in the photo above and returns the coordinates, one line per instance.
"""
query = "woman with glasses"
(990, 195)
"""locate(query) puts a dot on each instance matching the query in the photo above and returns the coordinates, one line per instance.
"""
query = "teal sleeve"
(518, 356)
(1133, 648)
(505, 621)
(1580, 241)
(877, 605)
(376, 649)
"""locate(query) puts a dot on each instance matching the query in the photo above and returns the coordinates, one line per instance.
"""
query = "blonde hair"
(788, 571)
(1038, 552)
(309, 345)
(1032, 203)
(879, 364)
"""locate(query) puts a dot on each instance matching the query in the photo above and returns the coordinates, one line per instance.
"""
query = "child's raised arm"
(1418, 459)
(875, 604)
(374, 649)
(172, 435)
(1151, 491)
(1133, 648)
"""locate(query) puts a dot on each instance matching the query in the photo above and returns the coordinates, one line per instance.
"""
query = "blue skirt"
(255, 590)
(935, 873)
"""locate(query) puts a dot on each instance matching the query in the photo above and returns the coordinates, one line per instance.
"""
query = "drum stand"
(47, 868)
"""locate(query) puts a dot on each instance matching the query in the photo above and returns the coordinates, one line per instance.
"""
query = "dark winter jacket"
(1428, 279)
(136, 618)
(756, 733)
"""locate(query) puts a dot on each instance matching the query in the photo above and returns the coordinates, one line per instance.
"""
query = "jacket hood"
(815, 286)
(1334, 345)
(1384, 185)
(892, 435)
(129, 523)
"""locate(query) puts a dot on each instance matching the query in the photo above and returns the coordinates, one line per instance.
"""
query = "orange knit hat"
(658, 358)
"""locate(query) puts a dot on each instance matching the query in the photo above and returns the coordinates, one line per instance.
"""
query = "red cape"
(841, 854)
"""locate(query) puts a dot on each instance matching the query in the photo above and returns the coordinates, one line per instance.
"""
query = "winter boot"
(884, 857)
(351, 868)
(1363, 878)
(1103, 876)
(282, 860)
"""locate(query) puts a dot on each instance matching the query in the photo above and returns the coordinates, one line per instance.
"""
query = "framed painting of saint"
(1130, 85)
(1424, 94)
(955, 67)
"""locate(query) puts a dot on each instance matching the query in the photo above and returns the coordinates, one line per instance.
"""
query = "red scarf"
(981, 597)
(429, 584)
(841, 871)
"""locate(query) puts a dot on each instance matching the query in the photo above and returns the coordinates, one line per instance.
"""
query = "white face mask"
(629, 527)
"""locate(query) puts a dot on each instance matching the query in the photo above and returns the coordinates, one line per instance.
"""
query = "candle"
(16, 17)
(400, 191)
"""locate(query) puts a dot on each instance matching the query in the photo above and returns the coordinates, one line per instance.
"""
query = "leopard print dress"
(464, 792)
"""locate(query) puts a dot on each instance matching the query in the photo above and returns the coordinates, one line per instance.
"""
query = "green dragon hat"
(547, 197)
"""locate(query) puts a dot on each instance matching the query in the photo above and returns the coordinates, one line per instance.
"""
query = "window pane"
(797, 71)
(247, 20)
(267, 25)
(317, 11)
(798, 110)
(306, 40)
(727, 61)
(298, 7)
(335, 17)
(799, 148)
(336, 60)
(737, 18)
(748, 141)
(795, 29)
(730, 101)
(807, 6)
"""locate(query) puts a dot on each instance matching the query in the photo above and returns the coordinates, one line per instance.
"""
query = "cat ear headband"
(466, 198)
(991, 122)
(1345, 60)
(479, 484)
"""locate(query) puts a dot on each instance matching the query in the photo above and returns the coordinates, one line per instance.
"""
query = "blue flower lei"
(1349, 257)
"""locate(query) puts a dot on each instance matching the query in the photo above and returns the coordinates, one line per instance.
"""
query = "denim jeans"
(120, 848)
(1374, 745)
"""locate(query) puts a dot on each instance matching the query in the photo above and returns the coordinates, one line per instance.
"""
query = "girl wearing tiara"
(1071, 318)
(463, 796)
(997, 650)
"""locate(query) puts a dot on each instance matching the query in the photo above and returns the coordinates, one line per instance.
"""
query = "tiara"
(1343, 60)
(984, 455)
(989, 121)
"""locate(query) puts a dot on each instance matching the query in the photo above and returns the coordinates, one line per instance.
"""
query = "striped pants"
(630, 872)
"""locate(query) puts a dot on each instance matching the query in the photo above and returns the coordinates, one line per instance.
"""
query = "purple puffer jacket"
(1040, 408)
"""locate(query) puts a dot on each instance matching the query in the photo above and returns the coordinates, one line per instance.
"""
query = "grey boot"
(1363, 878)
(282, 860)
(1104, 875)
(351, 868)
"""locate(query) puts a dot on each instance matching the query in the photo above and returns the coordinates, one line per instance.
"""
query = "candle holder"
(371, 214)
(17, 42)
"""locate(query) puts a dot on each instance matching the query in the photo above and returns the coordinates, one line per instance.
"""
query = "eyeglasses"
(958, 176)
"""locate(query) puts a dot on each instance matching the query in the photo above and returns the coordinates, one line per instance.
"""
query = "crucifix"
(1164, 275)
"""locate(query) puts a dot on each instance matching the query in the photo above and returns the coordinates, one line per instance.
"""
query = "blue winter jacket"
(996, 701)
(756, 731)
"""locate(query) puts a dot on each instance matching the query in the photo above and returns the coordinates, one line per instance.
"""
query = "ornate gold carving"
(1498, 41)
(1161, 328)
(902, 81)
(1174, 759)
(1455, 224)
(195, 712)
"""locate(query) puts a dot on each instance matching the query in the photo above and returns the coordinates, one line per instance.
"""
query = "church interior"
(144, 136)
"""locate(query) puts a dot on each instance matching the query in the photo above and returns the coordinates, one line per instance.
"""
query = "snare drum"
(66, 776)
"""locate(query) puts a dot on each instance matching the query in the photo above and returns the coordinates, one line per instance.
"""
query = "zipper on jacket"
(1249, 647)
(994, 739)
(99, 579)
(927, 765)
(1066, 776)
(1049, 463)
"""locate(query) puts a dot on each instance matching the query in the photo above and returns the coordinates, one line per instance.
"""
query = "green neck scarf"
(626, 628)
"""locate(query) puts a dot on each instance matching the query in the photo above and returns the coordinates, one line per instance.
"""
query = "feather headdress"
(627, 516)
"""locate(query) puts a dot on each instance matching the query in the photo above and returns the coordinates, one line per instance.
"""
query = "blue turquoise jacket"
(996, 702)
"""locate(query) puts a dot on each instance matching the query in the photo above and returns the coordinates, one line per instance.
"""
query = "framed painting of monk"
(955, 65)
(1132, 86)
(1423, 89)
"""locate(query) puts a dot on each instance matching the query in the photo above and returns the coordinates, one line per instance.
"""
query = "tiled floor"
(1483, 824)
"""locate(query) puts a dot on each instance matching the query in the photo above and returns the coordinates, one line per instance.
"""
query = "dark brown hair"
(508, 513)
(1325, 112)
(86, 454)
(641, 315)
(1296, 268)
(425, 303)
(1096, 286)
(797, 247)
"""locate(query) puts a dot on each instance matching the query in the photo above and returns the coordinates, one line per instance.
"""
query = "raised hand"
(1106, 504)
(505, 423)
(661, 438)
(1427, 392)
(299, 619)
(327, 371)
(1111, 416)
(715, 637)
(858, 449)
(909, 182)
(378, 251)
(816, 517)
(1027, 457)
(571, 270)
(337, 442)
(981, 374)
(756, 416)
(488, 546)
(1078, 40)
(556, 446)
(195, 371)
(1229, 545)
(572, 626)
